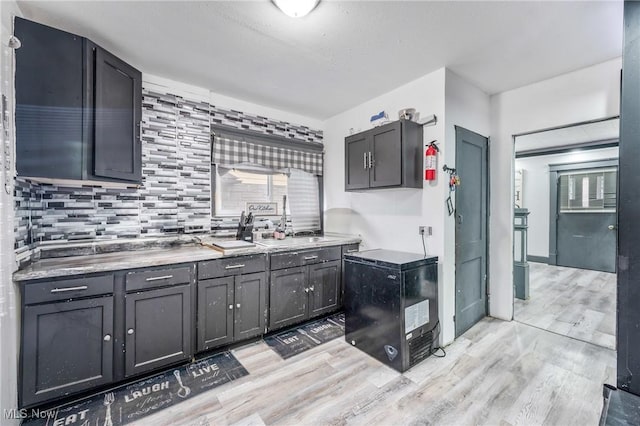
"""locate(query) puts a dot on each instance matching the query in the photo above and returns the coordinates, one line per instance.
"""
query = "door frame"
(554, 169)
(487, 236)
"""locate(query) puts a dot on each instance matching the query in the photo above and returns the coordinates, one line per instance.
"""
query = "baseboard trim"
(538, 259)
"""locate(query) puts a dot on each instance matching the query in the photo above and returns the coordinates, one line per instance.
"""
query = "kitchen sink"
(293, 241)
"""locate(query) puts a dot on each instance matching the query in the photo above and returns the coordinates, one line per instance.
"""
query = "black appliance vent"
(420, 348)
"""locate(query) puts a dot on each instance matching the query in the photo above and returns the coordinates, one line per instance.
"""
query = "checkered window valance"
(232, 150)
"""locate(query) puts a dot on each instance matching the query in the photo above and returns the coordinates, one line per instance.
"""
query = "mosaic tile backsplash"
(175, 193)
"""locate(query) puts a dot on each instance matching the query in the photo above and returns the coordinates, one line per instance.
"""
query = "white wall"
(536, 191)
(8, 291)
(390, 218)
(586, 94)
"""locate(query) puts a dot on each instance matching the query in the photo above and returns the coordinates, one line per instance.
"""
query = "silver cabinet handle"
(230, 307)
(310, 257)
(130, 331)
(611, 227)
(164, 277)
(62, 290)
(239, 265)
(364, 160)
(352, 250)
(306, 290)
(238, 306)
(107, 338)
(370, 160)
(312, 288)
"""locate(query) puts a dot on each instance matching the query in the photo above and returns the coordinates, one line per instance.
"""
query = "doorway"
(566, 180)
(471, 220)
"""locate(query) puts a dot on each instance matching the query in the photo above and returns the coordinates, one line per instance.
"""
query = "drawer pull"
(164, 277)
(239, 265)
(130, 331)
(230, 307)
(310, 257)
(306, 290)
(238, 306)
(352, 250)
(62, 290)
(312, 288)
(107, 338)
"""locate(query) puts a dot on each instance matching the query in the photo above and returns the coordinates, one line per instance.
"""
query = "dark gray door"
(158, 327)
(357, 159)
(67, 348)
(324, 287)
(386, 156)
(215, 312)
(471, 229)
(586, 226)
(250, 305)
(118, 98)
(287, 297)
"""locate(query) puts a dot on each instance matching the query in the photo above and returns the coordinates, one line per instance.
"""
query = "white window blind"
(304, 201)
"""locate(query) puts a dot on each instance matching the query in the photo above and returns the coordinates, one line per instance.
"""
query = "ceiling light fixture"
(296, 8)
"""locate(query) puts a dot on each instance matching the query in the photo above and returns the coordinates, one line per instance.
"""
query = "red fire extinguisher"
(432, 160)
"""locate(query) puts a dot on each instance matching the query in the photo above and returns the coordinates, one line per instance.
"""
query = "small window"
(588, 191)
(235, 187)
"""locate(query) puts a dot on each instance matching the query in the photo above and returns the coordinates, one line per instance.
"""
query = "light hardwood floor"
(573, 302)
(498, 373)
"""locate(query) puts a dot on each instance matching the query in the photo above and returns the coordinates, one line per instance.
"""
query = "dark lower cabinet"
(215, 312)
(158, 328)
(67, 348)
(303, 292)
(324, 287)
(288, 297)
(231, 309)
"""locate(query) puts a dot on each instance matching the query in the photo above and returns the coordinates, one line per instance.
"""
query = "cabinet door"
(324, 287)
(215, 312)
(287, 297)
(386, 148)
(118, 99)
(158, 327)
(250, 305)
(49, 98)
(67, 347)
(357, 161)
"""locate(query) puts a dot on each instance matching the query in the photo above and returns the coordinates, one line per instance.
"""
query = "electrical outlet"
(425, 230)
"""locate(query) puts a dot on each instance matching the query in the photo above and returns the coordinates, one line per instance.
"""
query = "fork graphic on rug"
(108, 400)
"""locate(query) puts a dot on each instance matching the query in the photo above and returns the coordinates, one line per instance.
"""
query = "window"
(588, 191)
(235, 187)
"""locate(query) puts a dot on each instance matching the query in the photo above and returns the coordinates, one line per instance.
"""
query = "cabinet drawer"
(350, 248)
(306, 257)
(142, 280)
(232, 266)
(51, 291)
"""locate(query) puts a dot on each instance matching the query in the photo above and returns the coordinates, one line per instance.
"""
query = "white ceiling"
(343, 53)
(566, 136)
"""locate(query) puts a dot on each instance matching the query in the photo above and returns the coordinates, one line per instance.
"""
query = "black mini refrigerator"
(391, 305)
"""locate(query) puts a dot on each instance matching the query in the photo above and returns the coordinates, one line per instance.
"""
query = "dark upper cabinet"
(117, 110)
(158, 328)
(388, 156)
(78, 108)
(67, 347)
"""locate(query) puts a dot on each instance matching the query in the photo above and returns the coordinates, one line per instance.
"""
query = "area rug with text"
(298, 339)
(134, 401)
